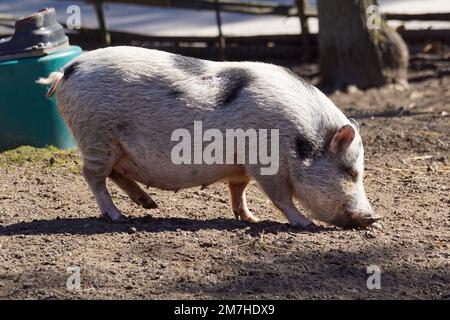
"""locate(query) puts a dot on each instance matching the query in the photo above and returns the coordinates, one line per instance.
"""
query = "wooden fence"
(267, 47)
(301, 10)
(274, 47)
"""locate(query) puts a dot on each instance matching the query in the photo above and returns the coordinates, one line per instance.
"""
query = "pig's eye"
(352, 174)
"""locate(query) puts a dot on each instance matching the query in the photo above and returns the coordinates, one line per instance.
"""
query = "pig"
(123, 103)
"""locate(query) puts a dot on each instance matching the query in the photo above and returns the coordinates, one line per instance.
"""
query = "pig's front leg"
(97, 183)
(133, 190)
(295, 218)
(239, 201)
(280, 194)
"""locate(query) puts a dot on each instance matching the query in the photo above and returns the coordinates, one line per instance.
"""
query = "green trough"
(37, 48)
(27, 117)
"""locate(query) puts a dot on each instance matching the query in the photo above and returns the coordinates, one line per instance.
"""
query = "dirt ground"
(191, 247)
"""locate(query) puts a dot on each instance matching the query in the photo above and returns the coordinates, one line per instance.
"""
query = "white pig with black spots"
(123, 104)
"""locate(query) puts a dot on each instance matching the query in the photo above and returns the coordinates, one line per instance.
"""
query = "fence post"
(104, 34)
(222, 43)
(301, 5)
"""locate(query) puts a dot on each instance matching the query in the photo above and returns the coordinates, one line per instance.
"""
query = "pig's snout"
(351, 218)
(359, 212)
(365, 220)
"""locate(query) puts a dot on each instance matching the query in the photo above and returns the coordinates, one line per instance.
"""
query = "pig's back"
(164, 88)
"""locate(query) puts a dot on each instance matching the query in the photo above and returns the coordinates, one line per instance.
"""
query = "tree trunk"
(353, 53)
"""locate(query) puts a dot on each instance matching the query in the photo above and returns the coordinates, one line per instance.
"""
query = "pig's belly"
(168, 176)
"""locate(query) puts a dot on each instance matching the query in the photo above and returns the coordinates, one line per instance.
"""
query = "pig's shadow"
(91, 226)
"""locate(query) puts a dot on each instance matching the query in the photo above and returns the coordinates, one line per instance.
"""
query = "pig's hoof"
(147, 203)
(116, 219)
(313, 227)
(310, 227)
(121, 219)
(245, 216)
(250, 218)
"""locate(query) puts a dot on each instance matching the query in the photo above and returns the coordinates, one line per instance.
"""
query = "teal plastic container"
(27, 117)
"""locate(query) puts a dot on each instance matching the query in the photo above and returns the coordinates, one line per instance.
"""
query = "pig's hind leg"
(133, 190)
(97, 182)
(239, 201)
(98, 162)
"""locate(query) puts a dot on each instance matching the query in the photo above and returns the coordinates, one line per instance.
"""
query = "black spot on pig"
(175, 93)
(189, 65)
(71, 69)
(305, 148)
(233, 81)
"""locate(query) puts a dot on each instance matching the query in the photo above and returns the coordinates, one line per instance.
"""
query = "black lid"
(35, 35)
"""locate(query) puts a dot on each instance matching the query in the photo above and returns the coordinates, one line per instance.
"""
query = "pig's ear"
(342, 139)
